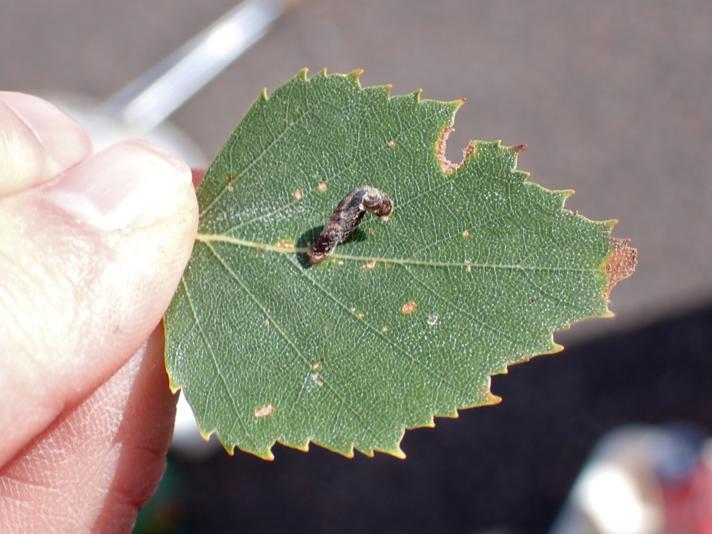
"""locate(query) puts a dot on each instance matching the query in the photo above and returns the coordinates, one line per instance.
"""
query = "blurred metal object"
(156, 94)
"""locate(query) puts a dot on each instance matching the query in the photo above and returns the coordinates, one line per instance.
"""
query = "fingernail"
(62, 140)
(127, 186)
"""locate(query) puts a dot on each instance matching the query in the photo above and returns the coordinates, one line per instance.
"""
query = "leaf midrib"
(266, 247)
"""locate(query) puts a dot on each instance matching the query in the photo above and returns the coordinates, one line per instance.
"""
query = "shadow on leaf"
(307, 238)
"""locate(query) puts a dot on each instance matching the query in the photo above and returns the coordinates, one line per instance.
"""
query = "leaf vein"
(207, 238)
(215, 362)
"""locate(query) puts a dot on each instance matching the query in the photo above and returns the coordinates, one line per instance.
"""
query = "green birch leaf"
(409, 318)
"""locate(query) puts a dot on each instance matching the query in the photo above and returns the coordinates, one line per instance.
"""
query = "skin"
(92, 247)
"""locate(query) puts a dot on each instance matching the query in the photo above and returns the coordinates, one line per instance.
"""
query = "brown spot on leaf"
(322, 187)
(409, 307)
(264, 410)
(369, 266)
(392, 143)
(285, 244)
(230, 187)
(298, 194)
(466, 234)
(620, 264)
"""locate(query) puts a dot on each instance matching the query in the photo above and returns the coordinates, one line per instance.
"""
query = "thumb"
(89, 264)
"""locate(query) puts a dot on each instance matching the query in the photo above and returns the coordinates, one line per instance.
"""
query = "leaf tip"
(264, 96)
(230, 448)
(303, 73)
(417, 94)
(396, 453)
(518, 149)
(302, 447)
(267, 455)
(493, 399)
(489, 398)
(455, 413)
(355, 74)
(346, 454)
(611, 223)
(565, 194)
(555, 348)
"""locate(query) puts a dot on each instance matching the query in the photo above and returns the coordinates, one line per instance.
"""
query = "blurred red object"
(643, 480)
(688, 501)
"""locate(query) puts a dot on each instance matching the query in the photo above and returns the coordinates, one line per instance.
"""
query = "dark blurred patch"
(509, 466)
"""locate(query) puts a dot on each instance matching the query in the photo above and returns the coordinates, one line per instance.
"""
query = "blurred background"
(612, 99)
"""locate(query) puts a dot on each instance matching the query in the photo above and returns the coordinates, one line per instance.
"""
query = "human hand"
(92, 248)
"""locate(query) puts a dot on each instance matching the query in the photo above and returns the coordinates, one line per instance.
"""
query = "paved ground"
(611, 97)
